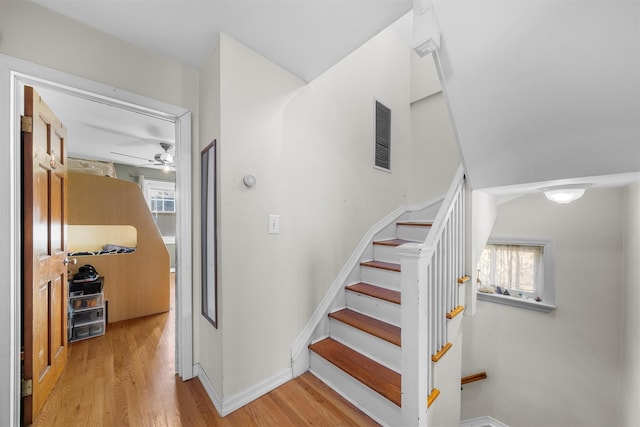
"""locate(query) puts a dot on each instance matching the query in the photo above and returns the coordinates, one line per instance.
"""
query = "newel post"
(415, 365)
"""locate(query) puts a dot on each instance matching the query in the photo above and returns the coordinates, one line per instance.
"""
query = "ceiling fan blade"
(135, 157)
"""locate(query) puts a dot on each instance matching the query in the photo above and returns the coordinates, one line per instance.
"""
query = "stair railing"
(429, 273)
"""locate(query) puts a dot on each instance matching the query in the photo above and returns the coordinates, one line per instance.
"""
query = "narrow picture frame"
(208, 239)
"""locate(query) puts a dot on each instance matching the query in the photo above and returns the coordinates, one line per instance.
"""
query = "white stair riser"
(386, 253)
(413, 233)
(367, 400)
(374, 307)
(379, 277)
(381, 351)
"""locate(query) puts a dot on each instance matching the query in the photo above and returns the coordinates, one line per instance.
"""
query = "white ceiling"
(96, 130)
(543, 90)
(306, 37)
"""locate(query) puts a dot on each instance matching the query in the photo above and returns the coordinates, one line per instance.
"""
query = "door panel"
(45, 288)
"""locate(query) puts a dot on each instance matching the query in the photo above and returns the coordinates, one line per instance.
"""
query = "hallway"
(126, 378)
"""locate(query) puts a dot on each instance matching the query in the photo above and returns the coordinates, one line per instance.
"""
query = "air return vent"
(383, 137)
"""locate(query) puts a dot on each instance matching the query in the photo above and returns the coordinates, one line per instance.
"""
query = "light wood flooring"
(126, 378)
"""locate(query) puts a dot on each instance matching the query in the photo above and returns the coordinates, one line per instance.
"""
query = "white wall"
(38, 35)
(208, 340)
(311, 149)
(630, 384)
(435, 151)
(253, 270)
(560, 368)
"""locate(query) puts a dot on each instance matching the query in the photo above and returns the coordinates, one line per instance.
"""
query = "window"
(515, 267)
(162, 201)
(517, 272)
(160, 195)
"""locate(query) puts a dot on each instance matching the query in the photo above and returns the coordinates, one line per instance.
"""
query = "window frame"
(151, 185)
(546, 288)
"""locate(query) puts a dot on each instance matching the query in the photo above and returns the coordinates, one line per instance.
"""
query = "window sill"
(516, 302)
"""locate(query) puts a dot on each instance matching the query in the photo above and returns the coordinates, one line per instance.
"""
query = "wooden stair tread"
(415, 223)
(392, 242)
(375, 327)
(369, 372)
(376, 292)
(381, 265)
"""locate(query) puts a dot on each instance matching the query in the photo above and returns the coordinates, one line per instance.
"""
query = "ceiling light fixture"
(564, 194)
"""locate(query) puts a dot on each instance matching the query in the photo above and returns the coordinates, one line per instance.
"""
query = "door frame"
(14, 74)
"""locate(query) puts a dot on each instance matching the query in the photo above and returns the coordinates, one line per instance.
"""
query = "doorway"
(14, 74)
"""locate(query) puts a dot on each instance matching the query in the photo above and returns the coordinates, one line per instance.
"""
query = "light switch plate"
(274, 224)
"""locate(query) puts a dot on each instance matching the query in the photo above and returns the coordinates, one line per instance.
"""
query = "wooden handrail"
(475, 377)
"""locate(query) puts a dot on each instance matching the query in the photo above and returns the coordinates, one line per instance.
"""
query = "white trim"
(156, 184)
(184, 255)
(14, 73)
(211, 390)
(547, 287)
(516, 302)
(249, 395)
(237, 401)
(485, 421)
(299, 350)
(9, 255)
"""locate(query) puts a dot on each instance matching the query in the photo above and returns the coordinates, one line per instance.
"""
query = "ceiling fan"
(165, 159)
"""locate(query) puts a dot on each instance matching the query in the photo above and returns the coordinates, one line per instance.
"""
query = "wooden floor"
(126, 378)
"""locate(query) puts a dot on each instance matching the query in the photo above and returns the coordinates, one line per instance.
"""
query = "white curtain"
(510, 266)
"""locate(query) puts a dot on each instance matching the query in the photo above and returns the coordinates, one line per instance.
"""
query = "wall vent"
(383, 137)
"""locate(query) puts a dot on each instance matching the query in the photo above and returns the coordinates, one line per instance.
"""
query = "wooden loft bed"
(137, 283)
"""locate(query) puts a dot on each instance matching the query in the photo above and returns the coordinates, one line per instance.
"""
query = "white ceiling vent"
(383, 137)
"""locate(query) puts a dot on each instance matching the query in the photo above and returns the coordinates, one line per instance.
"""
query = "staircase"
(364, 337)
(357, 349)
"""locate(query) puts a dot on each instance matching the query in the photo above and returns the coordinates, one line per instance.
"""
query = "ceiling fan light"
(564, 194)
(166, 168)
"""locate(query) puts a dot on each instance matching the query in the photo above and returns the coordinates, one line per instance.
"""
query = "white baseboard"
(227, 406)
(485, 421)
(240, 399)
(215, 397)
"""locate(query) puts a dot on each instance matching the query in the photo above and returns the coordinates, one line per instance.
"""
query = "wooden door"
(44, 231)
